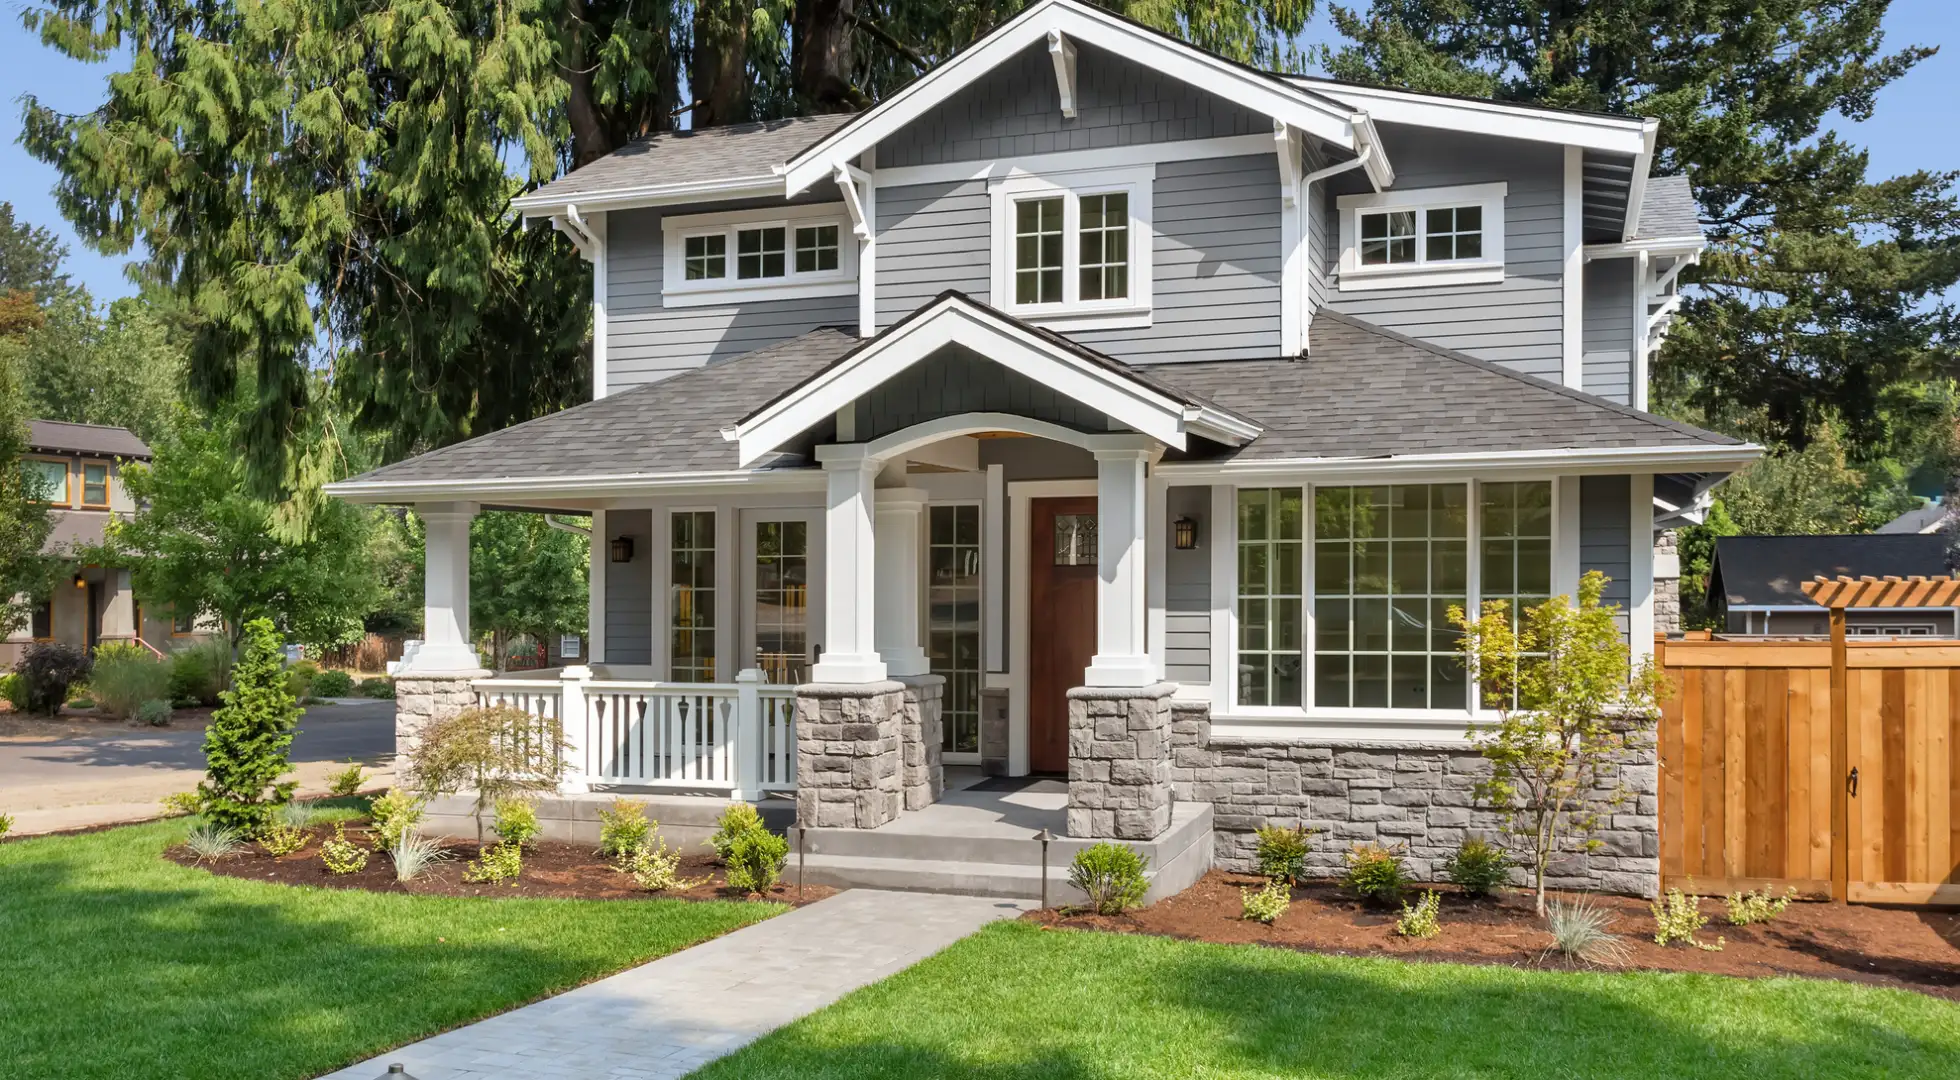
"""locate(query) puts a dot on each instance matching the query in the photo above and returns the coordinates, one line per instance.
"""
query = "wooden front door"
(1061, 620)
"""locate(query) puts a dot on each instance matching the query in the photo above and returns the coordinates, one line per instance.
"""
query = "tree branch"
(884, 38)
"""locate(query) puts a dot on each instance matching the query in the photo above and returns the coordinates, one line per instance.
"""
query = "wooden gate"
(1831, 767)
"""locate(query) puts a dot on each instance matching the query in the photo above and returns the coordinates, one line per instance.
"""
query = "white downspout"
(595, 249)
(1306, 231)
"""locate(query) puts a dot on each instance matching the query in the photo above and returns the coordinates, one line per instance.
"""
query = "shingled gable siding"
(629, 590)
(954, 381)
(1605, 535)
(1514, 322)
(646, 342)
(1608, 330)
(1187, 591)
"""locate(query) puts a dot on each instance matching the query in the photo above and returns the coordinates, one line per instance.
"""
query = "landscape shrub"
(1478, 866)
(299, 679)
(1421, 921)
(333, 684)
(341, 855)
(13, 691)
(1266, 903)
(282, 839)
(1677, 916)
(155, 712)
(414, 854)
(245, 746)
(124, 676)
(199, 672)
(657, 868)
(81, 700)
(623, 828)
(1757, 907)
(346, 781)
(183, 802)
(6, 824)
(1582, 931)
(517, 821)
(497, 752)
(1110, 875)
(46, 671)
(210, 840)
(498, 862)
(755, 860)
(1282, 852)
(377, 687)
(739, 818)
(295, 814)
(1376, 873)
(394, 815)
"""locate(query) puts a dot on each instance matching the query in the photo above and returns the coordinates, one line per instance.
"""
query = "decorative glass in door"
(782, 600)
(953, 621)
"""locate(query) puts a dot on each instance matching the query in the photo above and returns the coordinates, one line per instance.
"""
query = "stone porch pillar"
(433, 683)
(1119, 761)
(921, 731)
(847, 754)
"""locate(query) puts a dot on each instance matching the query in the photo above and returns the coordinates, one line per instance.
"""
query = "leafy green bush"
(1677, 916)
(377, 687)
(1478, 866)
(282, 839)
(341, 855)
(6, 824)
(1757, 907)
(14, 691)
(1266, 903)
(125, 676)
(45, 672)
(1376, 873)
(623, 828)
(82, 701)
(183, 802)
(498, 862)
(155, 712)
(517, 821)
(199, 672)
(333, 684)
(394, 815)
(739, 818)
(299, 679)
(494, 752)
(245, 746)
(657, 868)
(1283, 852)
(1421, 921)
(345, 782)
(1110, 875)
(755, 860)
(1582, 931)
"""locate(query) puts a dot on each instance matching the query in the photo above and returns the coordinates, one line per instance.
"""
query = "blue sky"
(1902, 135)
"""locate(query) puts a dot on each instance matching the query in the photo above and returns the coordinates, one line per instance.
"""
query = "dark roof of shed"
(1669, 209)
(1756, 570)
(62, 437)
(729, 152)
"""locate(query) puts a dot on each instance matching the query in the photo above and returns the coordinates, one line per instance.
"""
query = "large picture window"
(691, 599)
(953, 620)
(47, 480)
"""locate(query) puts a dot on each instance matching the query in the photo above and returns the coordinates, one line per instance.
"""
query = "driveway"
(74, 780)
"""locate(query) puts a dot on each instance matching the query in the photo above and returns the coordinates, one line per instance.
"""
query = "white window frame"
(1488, 269)
(1228, 693)
(677, 291)
(1073, 313)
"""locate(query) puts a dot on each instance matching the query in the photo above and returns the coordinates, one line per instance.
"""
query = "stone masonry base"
(1419, 797)
(848, 760)
(919, 736)
(1119, 766)
(423, 698)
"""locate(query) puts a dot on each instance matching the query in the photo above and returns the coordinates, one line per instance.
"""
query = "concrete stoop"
(910, 855)
(685, 821)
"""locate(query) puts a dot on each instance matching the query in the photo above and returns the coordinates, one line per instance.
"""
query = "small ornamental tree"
(1569, 701)
(498, 752)
(245, 746)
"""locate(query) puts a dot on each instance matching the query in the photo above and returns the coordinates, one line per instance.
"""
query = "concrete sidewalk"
(669, 1017)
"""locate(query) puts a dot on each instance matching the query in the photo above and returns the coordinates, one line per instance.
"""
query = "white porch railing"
(737, 737)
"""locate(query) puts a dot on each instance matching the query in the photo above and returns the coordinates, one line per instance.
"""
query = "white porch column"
(850, 560)
(896, 529)
(446, 644)
(1122, 653)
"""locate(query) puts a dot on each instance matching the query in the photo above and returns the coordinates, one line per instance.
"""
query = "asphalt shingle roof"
(1668, 210)
(61, 437)
(1772, 569)
(732, 152)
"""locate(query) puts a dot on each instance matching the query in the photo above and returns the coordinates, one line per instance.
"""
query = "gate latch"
(1854, 781)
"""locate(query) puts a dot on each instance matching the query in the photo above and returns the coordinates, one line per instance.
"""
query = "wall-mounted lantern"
(81, 582)
(622, 549)
(1184, 533)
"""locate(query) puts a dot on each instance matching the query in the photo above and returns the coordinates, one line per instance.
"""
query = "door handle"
(1853, 781)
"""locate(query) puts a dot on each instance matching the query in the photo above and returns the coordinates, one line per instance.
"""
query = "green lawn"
(1018, 1001)
(117, 963)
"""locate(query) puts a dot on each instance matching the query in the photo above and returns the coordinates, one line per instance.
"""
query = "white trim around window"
(1069, 310)
(1418, 216)
(830, 270)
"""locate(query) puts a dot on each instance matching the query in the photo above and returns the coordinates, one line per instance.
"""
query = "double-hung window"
(95, 484)
(1072, 250)
(47, 480)
(1343, 591)
(1433, 236)
(778, 253)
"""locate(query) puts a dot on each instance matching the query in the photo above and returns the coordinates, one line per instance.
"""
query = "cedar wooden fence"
(1828, 766)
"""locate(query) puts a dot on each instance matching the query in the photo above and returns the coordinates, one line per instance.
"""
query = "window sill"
(1064, 318)
(1361, 726)
(718, 294)
(1408, 277)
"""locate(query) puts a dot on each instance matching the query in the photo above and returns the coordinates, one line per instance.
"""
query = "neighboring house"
(1107, 381)
(80, 466)
(1756, 582)
(1926, 519)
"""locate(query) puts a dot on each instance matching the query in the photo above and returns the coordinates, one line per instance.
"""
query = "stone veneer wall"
(1119, 764)
(421, 699)
(1667, 587)
(848, 760)
(1415, 795)
(920, 736)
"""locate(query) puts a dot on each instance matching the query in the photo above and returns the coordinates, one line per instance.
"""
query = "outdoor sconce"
(622, 549)
(1184, 531)
(80, 582)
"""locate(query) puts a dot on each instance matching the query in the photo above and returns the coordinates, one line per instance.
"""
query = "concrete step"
(986, 844)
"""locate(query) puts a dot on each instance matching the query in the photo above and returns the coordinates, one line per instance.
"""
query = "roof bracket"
(1286, 143)
(848, 179)
(1062, 51)
(580, 233)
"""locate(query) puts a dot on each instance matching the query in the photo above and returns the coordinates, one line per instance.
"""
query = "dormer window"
(1072, 250)
(1429, 236)
(770, 254)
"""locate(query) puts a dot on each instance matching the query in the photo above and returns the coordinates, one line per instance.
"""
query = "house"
(1093, 408)
(1925, 519)
(80, 469)
(1755, 583)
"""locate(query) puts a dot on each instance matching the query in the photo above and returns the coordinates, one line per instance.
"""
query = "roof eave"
(543, 203)
(1608, 134)
(565, 487)
(1563, 460)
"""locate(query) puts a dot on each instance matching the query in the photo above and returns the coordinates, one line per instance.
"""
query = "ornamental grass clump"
(124, 676)
(1376, 873)
(1266, 903)
(1677, 916)
(755, 860)
(246, 745)
(1582, 932)
(1478, 867)
(1110, 875)
(1757, 907)
(414, 854)
(1282, 852)
(623, 828)
(1421, 921)
(209, 840)
(341, 855)
(296, 814)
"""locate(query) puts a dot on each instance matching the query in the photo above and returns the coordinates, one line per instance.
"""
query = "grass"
(118, 963)
(1017, 1001)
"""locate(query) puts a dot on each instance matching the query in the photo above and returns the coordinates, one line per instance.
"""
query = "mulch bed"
(1913, 949)
(551, 870)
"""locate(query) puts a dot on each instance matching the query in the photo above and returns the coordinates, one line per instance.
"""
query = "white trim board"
(1114, 157)
(1490, 465)
(676, 291)
(1611, 134)
(1352, 276)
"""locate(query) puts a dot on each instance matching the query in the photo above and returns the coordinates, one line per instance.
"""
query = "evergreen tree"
(30, 258)
(245, 746)
(26, 573)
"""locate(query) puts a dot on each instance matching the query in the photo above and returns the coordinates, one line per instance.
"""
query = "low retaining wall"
(1418, 795)
(684, 821)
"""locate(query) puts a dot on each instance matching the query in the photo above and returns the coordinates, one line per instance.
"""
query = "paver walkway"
(669, 1017)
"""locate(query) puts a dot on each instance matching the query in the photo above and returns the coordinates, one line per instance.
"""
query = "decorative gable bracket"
(852, 182)
(1062, 51)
